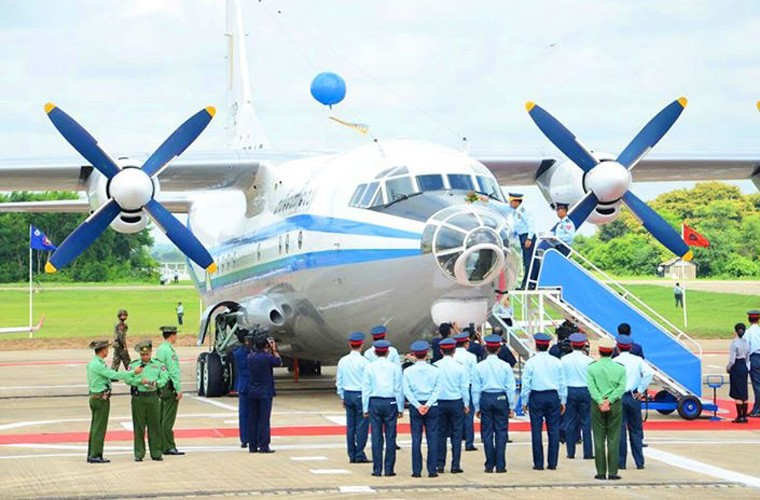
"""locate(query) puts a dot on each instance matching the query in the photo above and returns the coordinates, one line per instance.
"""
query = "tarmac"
(44, 422)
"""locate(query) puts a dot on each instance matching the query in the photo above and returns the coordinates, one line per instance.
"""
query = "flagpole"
(31, 303)
(685, 315)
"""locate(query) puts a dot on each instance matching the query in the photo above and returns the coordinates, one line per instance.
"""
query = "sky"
(132, 70)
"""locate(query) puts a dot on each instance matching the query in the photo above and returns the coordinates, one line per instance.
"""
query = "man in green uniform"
(99, 378)
(147, 377)
(606, 384)
(120, 350)
(172, 391)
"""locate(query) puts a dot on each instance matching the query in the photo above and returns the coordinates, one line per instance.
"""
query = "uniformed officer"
(753, 339)
(636, 349)
(99, 378)
(606, 384)
(383, 405)
(463, 356)
(120, 348)
(422, 387)
(171, 394)
(444, 330)
(565, 229)
(242, 380)
(378, 333)
(493, 394)
(638, 375)
(348, 382)
(544, 394)
(147, 377)
(261, 391)
(453, 404)
(578, 413)
(525, 231)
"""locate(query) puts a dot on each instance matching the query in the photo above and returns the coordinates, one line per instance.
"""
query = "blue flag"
(38, 240)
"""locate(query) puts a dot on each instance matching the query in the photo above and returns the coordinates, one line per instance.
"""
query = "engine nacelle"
(98, 193)
(260, 312)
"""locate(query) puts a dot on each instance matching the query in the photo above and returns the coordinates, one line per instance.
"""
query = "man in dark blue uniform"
(260, 393)
(242, 379)
(444, 330)
(636, 349)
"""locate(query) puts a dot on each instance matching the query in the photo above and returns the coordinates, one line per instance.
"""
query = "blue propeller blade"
(83, 236)
(180, 236)
(651, 133)
(656, 225)
(81, 140)
(561, 137)
(178, 141)
(583, 209)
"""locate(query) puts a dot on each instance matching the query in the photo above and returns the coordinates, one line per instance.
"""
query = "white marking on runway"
(43, 387)
(356, 489)
(330, 471)
(305, 459)
(714, 366)
(128, 425)
(218, 404)
(340, 420)
(695, 466)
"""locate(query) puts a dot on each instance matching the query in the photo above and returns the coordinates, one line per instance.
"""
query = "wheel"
(664, 397)
(200, 364)
(689, 407)
(213, 376)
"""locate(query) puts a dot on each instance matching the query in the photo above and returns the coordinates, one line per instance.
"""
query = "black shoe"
(253, 450)
(174, 451)
(376, 474)
(562, 440)
(488, 471)
(398, 447)
(138, 459)
(456, 471)
(537, 468)
(471, 448)
(571, 458)
(244, 445)
(644, 445)
(432, 474)
(589, 458)
(390, 474)
(601, 477)
(351, 461)
(501, 471)
(640, 467)
(552, 468)
(614, 477)
(622, 467)
(509, 440)
(440, 470)
(362, 461)
(266, 450)
(97, 460)
(415, 475)
(157, 459)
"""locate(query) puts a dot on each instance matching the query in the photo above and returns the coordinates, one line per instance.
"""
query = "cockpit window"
(398, 187)
(430, 182)
(461, 181)
(488, 186)
(369, 194)
(357, 195)
(398, 170)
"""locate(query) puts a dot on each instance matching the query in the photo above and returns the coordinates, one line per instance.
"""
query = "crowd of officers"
(456, 378)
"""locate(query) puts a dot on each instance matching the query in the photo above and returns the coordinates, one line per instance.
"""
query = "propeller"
(130, 189)
(608, 181)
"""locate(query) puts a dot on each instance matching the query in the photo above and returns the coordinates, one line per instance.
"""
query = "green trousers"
(146, 411)
(100, 409)
(169, 406)
(606, 429)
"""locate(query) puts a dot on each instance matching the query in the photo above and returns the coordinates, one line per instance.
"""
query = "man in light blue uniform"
(578, 414)
(524, 229)
(544, 394)
(348, 383)
(453, 404)
(493, 393)
(383, 405)
(753, 338)
(421, 388)
(638, 375)
(565, 229)
(463, 356)
(378, 333)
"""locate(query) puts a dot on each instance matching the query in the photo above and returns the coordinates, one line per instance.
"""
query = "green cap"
(144, 346)
(168, 329)
(99, 344)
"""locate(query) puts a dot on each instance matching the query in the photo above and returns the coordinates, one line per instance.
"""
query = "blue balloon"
(328, 88)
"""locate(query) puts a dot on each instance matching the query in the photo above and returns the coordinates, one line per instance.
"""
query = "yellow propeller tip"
(49, 107)
(758, 105)
(211, 110)
(530, 105)
(212, 268)
(688, 256)
(50, 268)
(683, 101)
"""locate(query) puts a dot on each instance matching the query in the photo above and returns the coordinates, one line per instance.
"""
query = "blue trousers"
(578, 421)
(383, 413)
(494, 419)
(429, 422)
(544, 406)
(357, 426)
(450, 417)
(260, 415)
(468, 426)
(631, 422)
(527, 254)
(243, 420)
(754, 375)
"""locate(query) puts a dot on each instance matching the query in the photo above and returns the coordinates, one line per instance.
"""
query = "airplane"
(387, 233)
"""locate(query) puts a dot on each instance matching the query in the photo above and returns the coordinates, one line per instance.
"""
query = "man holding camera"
(261, 363)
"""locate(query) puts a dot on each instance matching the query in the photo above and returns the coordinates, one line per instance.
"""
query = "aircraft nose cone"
(131, 188)
(609, 181)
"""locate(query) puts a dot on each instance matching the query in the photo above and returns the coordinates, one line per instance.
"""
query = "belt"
(378, 397)
(146, 393)
(97, 395)
(449, 400)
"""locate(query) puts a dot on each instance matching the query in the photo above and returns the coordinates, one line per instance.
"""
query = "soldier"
(493, 393)
(524, 229)
(378, 333)
(463, 356)
(146, 377)
(383, 404)
(453, 404)
(578, 414)
(180, 312)
(348, 382)
(172, 391)
(422, 388)
(544, 393)
(606, 384)
(564, 230)
(99, 378)
(638, 375)
(120, 348)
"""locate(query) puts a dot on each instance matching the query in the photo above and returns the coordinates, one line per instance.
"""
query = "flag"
(693, 238)
(38, 240)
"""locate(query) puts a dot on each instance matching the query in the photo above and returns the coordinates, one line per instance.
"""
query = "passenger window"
(300, 239)
(369, 194)
(287, 243)
(357, 195)
(460, 181)
(399, 187)
(431, 182)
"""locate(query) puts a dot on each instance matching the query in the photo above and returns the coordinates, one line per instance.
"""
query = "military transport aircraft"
(401, 233)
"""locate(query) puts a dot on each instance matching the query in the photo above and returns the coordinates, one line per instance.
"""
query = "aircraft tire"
(199, 373)
(213, 376)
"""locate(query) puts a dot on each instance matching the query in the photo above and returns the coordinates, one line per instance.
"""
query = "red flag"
(693, 238)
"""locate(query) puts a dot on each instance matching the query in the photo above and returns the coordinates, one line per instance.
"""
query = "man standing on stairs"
(638, 375)
(524, 229)
(565, 229)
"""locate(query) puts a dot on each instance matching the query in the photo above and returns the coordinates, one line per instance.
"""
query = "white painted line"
(714, 366)
(330, 471)
(340, 420)
(356, 489)
(232, 422)
(695, 466)
(218, 404)
(128, 425)
(43, 387)
(305, 459)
